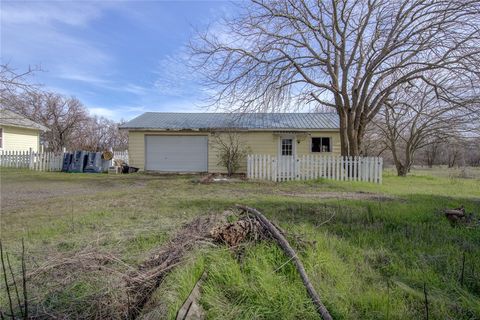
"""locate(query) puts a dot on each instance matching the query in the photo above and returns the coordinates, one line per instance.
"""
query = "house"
(184, 142)
(18, 133)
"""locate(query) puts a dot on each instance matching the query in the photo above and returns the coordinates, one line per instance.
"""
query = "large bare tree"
(348, 55)
(63, 116)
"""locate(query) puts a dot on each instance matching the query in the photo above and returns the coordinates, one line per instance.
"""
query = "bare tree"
(417, 117)
(472, 151)
(13, 82)
(61, 115)
(431, 152)
(346, 55)
(99, 134)
(230, 149)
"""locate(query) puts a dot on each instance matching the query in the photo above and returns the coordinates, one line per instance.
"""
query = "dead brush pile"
(91, 284)
(107, 288)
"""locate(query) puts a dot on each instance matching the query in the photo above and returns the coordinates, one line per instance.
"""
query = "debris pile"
(239, 231)
(134, 287)
(459, 216)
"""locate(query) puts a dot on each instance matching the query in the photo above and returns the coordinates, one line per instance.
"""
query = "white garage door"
(176, 153)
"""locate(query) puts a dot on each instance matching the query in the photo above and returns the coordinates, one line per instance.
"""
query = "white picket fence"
(121, 155)
(41, 161)
(306, 167)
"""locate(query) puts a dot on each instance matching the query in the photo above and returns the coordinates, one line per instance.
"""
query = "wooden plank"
(249, 167)
(264, 167)
(355, 168)
(289, 170)
(337, 169)
(350, 168)
(369, 170)
(275, 169)
(330, 167)
(372, 168)
(380, 176)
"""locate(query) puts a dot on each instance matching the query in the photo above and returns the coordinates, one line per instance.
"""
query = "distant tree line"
(69, 123)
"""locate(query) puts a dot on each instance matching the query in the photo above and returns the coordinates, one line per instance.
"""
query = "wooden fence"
(121, 155)
(266, 167)
(41, 161)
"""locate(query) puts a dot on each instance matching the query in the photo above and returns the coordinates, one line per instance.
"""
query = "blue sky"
(119, 58)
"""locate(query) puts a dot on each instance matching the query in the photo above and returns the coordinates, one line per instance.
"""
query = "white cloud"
(102, 112)
(133, 88)
(81, 76)
(174, 78)
(47, 13)
(38, 33)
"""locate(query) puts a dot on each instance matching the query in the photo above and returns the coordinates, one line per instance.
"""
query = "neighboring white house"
(18, 133)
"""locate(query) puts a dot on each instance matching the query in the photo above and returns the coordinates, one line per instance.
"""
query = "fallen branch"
(455, 215)
(277, 234)
(191, 309)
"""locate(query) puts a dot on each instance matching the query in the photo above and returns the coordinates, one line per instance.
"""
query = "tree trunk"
(351, 137)
(401, 170)
(343, 134)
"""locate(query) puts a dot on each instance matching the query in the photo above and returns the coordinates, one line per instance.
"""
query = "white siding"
(20, 139)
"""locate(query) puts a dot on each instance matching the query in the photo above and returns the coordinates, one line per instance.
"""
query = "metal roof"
(243, 121)
(9, 118)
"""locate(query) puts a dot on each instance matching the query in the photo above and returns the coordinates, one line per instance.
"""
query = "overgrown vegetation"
(367, 257)
(231, 150)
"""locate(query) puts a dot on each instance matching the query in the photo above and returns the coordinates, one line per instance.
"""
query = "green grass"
(367, 258)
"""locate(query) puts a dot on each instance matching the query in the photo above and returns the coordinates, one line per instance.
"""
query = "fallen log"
(277, 234)
(455, 212)
(454, 215)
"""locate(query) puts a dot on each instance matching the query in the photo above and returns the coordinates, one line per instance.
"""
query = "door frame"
(173, 134)
(294, 145)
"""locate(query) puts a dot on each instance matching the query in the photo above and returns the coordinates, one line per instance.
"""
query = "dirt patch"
(340, 195)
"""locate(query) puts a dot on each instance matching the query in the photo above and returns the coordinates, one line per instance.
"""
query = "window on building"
(287, 147)
(1, 138)
(321, 144)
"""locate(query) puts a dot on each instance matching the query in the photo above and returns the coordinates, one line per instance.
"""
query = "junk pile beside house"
(94, 162)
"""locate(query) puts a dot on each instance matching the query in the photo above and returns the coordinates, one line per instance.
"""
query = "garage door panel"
(176, 153)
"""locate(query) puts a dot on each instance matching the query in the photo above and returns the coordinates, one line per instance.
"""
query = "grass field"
(370, 250)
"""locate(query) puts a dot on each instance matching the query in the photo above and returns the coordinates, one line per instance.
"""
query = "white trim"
(294, 144)
(208, 130)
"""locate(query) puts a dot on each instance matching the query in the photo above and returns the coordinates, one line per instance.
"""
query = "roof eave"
(43, 129)
(220, 129)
